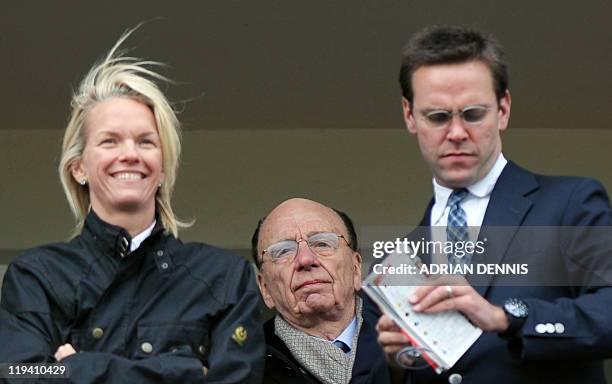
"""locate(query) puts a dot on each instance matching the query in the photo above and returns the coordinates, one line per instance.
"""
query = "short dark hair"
(448, 45)
(346, 220)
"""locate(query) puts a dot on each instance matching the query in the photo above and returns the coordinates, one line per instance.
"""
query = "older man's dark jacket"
(282, 368)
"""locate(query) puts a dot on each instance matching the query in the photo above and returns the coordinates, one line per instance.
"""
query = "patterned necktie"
(456, 226)
(342, 345)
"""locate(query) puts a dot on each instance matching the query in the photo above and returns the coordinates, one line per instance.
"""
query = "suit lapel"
(424, 232)
(507, 208)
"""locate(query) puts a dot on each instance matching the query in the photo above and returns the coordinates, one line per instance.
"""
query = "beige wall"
(228, 179)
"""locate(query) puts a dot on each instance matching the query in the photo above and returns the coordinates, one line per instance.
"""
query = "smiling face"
(459, 154)
(122, 159)
(308, 286)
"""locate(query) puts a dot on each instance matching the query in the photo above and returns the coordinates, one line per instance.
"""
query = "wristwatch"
(516, 312)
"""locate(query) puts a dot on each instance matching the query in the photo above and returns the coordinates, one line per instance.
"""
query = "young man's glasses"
(473, 114)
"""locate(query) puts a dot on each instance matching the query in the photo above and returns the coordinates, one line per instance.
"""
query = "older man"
(310, 272)
(456, 103)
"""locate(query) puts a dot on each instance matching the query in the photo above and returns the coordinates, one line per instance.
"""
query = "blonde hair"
(121, 76)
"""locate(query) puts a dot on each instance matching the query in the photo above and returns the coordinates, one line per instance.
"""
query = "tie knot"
(457, 196)
(342, 345)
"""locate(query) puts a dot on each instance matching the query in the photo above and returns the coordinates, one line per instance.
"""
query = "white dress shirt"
(474, 204)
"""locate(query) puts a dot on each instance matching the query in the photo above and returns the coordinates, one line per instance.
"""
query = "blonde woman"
(125, 300)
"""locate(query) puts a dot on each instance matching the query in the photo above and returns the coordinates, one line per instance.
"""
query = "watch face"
(516, 307)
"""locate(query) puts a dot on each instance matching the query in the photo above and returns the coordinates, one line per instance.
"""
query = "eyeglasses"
(322, 244)
(473, 114)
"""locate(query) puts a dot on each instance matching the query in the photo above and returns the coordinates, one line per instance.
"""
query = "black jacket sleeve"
(34, 322)
(237, 341)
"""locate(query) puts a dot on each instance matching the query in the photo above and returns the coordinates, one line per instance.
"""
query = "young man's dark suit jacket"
(522, 199)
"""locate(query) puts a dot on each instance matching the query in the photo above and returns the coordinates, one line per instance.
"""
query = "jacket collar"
(508, 207)
(114, 240)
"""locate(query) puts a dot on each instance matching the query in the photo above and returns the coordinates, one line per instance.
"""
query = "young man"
(456, 103)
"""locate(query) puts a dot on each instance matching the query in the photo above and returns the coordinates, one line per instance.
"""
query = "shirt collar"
(113, 239)
(347, 335)
(484, 186)
(481, 188)
(142, 236)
